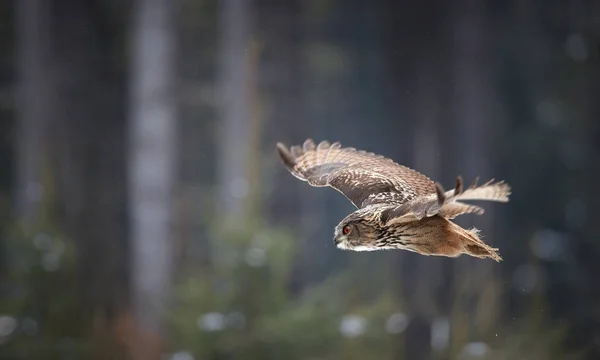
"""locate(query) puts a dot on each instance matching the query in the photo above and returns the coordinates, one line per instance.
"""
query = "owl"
(396, 207)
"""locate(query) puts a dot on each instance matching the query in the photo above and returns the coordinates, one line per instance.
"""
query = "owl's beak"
(340, 241)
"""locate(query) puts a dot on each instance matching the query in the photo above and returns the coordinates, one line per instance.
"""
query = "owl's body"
(397, 207)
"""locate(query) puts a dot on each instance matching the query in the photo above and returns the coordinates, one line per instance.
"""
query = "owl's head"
(356, 234)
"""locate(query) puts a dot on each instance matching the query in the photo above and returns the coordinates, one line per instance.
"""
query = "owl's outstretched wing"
(364, 178)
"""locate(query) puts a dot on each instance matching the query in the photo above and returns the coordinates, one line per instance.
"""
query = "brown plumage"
(397, 207)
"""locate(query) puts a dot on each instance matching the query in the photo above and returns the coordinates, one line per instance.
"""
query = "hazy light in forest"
(34, 191)
(597, 339)
(440, 333)
(548, 113)
(51, 261)
(29, 326)
(396, 323)
(575, 213)
(262, 240)
(547, 244)
(8, 324)
(576, 47)
(230, 257)
(256, 257)
(182, 355)
(52, 251)
(236, 320)
(352, 326)
(327, 59)
(213, 321)
(572, 154)
(475, 349)
(239, 188)
(43, 241)
(526, 277)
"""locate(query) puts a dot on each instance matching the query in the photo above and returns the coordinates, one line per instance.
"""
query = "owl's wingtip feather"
(308, 145)
(286, 157)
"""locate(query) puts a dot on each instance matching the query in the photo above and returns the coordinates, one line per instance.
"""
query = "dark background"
(143, 210)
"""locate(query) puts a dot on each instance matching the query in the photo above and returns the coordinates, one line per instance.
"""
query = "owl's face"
(355, 235)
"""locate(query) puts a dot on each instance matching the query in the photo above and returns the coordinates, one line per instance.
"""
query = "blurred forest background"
(144, 213)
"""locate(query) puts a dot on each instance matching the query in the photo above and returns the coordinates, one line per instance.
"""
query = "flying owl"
(397, 207)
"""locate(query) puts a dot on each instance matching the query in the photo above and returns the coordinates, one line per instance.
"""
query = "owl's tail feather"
(449, 206)
(489, 191)
(472, 244)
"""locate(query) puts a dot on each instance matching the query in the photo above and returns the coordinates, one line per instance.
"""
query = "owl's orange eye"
(346, 230)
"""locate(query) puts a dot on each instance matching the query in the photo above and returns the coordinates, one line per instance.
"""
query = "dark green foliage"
(40, 291)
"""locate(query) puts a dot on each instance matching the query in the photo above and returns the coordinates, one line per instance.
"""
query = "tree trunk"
(152, 169)
(34, 106)
(473, 104)
(88, 140)
(421, 274)
(235, 107)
